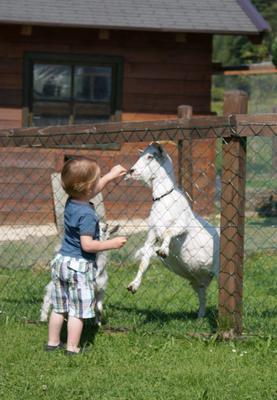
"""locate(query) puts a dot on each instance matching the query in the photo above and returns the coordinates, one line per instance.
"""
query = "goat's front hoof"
(161, 253)
(132, 288)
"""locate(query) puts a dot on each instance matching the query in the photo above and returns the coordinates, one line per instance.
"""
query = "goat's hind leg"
(201, 291)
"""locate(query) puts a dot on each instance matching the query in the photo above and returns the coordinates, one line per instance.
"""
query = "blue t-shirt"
(79, 219)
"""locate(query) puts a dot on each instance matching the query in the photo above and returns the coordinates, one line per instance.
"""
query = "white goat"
(100, 280)
(190, 245)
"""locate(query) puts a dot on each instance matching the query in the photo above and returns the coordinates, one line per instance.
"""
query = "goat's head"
(106, 231)
(153, 163)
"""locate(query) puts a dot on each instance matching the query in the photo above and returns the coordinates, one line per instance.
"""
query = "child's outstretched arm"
(114, 173)
(93, 246)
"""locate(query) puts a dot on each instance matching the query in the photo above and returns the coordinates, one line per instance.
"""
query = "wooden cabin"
(93, 61)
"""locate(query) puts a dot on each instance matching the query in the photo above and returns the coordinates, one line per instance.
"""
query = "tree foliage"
(237, 50)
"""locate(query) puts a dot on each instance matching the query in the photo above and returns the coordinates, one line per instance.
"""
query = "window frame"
(115, 62)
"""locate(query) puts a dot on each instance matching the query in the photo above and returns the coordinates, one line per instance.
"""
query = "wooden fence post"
(185, 167)
(232, 221)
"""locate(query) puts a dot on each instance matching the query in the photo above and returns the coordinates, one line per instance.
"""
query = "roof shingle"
(214, 16)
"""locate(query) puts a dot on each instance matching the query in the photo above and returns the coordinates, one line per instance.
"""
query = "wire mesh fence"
(222, 186)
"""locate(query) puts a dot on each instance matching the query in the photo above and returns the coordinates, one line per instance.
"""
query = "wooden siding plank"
(175, 71)
(165, 87)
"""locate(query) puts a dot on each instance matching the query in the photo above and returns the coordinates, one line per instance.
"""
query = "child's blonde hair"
(79, 176)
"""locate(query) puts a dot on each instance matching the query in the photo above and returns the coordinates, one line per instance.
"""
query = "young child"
(72, 268)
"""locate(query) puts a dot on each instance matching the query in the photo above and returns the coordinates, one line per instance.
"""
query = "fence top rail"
(198, 127)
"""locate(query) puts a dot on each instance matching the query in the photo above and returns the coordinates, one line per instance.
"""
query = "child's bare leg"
(55, 327)
(74, 331)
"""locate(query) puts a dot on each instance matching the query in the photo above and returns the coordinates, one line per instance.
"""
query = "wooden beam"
(253, 125)
(197, 127)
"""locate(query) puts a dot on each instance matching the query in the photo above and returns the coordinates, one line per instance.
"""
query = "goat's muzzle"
(128, 174)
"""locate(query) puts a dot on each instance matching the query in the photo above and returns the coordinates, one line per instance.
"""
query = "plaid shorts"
(72, 291)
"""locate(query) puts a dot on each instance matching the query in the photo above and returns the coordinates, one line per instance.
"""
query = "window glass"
(93, 84)
(51, 82)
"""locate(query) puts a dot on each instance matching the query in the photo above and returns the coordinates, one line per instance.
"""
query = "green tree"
(237, 50)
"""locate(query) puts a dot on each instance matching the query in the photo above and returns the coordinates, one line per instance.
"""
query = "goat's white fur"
(189, 244)
(99, 284)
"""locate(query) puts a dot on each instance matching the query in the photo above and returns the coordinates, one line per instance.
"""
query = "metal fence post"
(185, 168)
(232, 220)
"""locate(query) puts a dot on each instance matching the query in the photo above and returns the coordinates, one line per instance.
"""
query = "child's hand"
(117, 171)
(118, 242)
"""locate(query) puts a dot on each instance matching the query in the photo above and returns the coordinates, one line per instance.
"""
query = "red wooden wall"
(159, 74)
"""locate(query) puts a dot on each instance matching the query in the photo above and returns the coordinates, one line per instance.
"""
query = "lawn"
(132, 366)
(151, 346)
(165, 304)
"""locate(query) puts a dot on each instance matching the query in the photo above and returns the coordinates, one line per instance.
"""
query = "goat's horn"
(166, 142)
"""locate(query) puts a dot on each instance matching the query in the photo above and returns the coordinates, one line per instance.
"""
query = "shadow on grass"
(155, 315)
(89, 333)
(146, 316)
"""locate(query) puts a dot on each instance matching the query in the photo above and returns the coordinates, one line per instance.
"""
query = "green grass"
(151, 345)
(261, 91)
(129, 366)
(260, 174)
(36, 251)
(164, 304)
(164, 301)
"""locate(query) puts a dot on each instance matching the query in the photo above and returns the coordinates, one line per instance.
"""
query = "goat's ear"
(114, 229)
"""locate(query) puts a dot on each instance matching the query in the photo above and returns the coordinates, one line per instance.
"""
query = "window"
(63, 90)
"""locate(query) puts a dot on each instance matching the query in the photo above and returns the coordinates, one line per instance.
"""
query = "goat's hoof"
(98, 319)
(161, 253)
(131, 289)
(97, 324)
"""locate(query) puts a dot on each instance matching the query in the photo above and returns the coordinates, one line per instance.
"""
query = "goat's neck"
(162, 185)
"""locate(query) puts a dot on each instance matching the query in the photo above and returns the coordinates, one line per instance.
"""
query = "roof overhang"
(232, 17)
